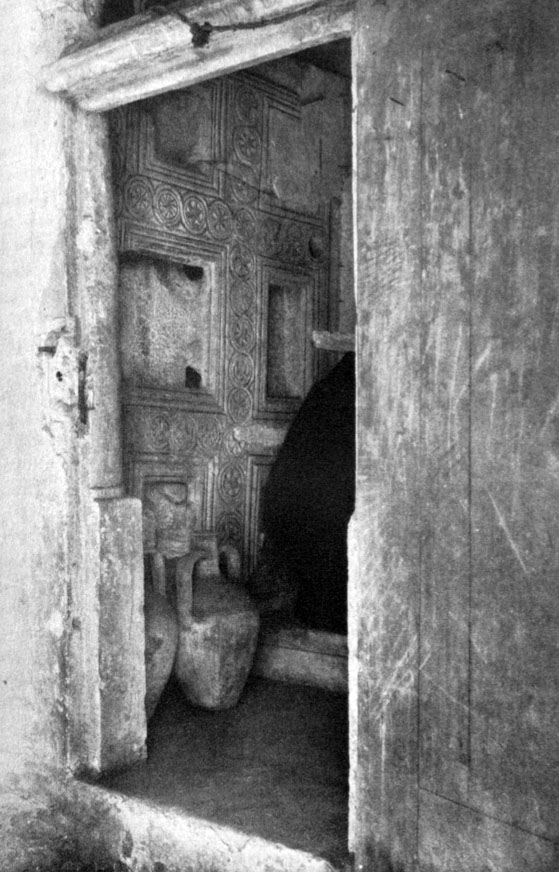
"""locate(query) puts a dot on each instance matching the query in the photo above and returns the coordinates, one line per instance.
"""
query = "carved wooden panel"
(284, 369)
(225, 277)
(173, 317)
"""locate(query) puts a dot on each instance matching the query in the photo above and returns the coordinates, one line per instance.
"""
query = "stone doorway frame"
(134, 60)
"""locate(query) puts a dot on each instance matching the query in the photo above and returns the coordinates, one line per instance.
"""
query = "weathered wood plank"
(464, 840)
(445, 413)
(515, 448)
(333, 341)
(384, 544)
(164, 54)
(458, 477)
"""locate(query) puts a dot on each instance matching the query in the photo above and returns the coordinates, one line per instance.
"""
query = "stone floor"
(276, 766)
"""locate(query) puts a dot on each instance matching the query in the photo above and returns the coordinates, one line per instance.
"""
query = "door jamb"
(112, 72)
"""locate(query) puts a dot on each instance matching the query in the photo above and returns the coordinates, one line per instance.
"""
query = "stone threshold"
(300, 656)
(140, 835)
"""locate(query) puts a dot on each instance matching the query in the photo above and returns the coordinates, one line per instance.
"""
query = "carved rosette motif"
(210, 435)
(245, 225)
(247, 144)
(138, 197)
(242, 261)
(243, 183)
(175, 432)
(231, 482)
(195, 213)
(241, 370)
(220, 220)
(242, 334)
(232, 445)
(229, 528)
(167, 206)
(286, 240)
(239, 405)
(242, 187)
(157, 432)
(242, 297)
(183, 436)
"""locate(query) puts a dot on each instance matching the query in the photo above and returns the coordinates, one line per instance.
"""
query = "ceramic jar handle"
(183, 578)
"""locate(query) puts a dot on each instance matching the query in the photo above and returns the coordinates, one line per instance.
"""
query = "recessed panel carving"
(285, 340)
(179, 137)
(166, 323)
(285, 362)
(183, 134)
(293, 163)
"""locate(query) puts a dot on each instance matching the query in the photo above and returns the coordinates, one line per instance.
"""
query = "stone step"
(116, 831)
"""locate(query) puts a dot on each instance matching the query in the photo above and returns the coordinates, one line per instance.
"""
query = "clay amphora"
(218, 631)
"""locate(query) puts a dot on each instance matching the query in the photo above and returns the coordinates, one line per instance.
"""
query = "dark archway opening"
(308, 500)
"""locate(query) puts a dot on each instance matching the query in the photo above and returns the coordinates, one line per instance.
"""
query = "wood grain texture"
(515, 483)
(461, 839)
(454, 590)
(445, 411)
(385, 548)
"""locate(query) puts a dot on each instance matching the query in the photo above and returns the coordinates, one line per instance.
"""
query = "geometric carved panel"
(287, 166)
(173, 320)
(285, 370)
(166, 322)
(218, 311)
(180, 137)
(185, 135)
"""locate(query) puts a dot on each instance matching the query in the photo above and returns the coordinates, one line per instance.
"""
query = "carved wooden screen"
(224, 277)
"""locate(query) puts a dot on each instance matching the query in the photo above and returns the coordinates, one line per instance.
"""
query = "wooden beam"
(326, 341)
(189, 45)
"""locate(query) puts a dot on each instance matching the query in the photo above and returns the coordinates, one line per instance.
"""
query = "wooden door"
(224, 232)
(454, 606)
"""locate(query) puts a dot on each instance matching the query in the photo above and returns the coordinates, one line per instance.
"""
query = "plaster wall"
(58, 457)
(36, 430)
